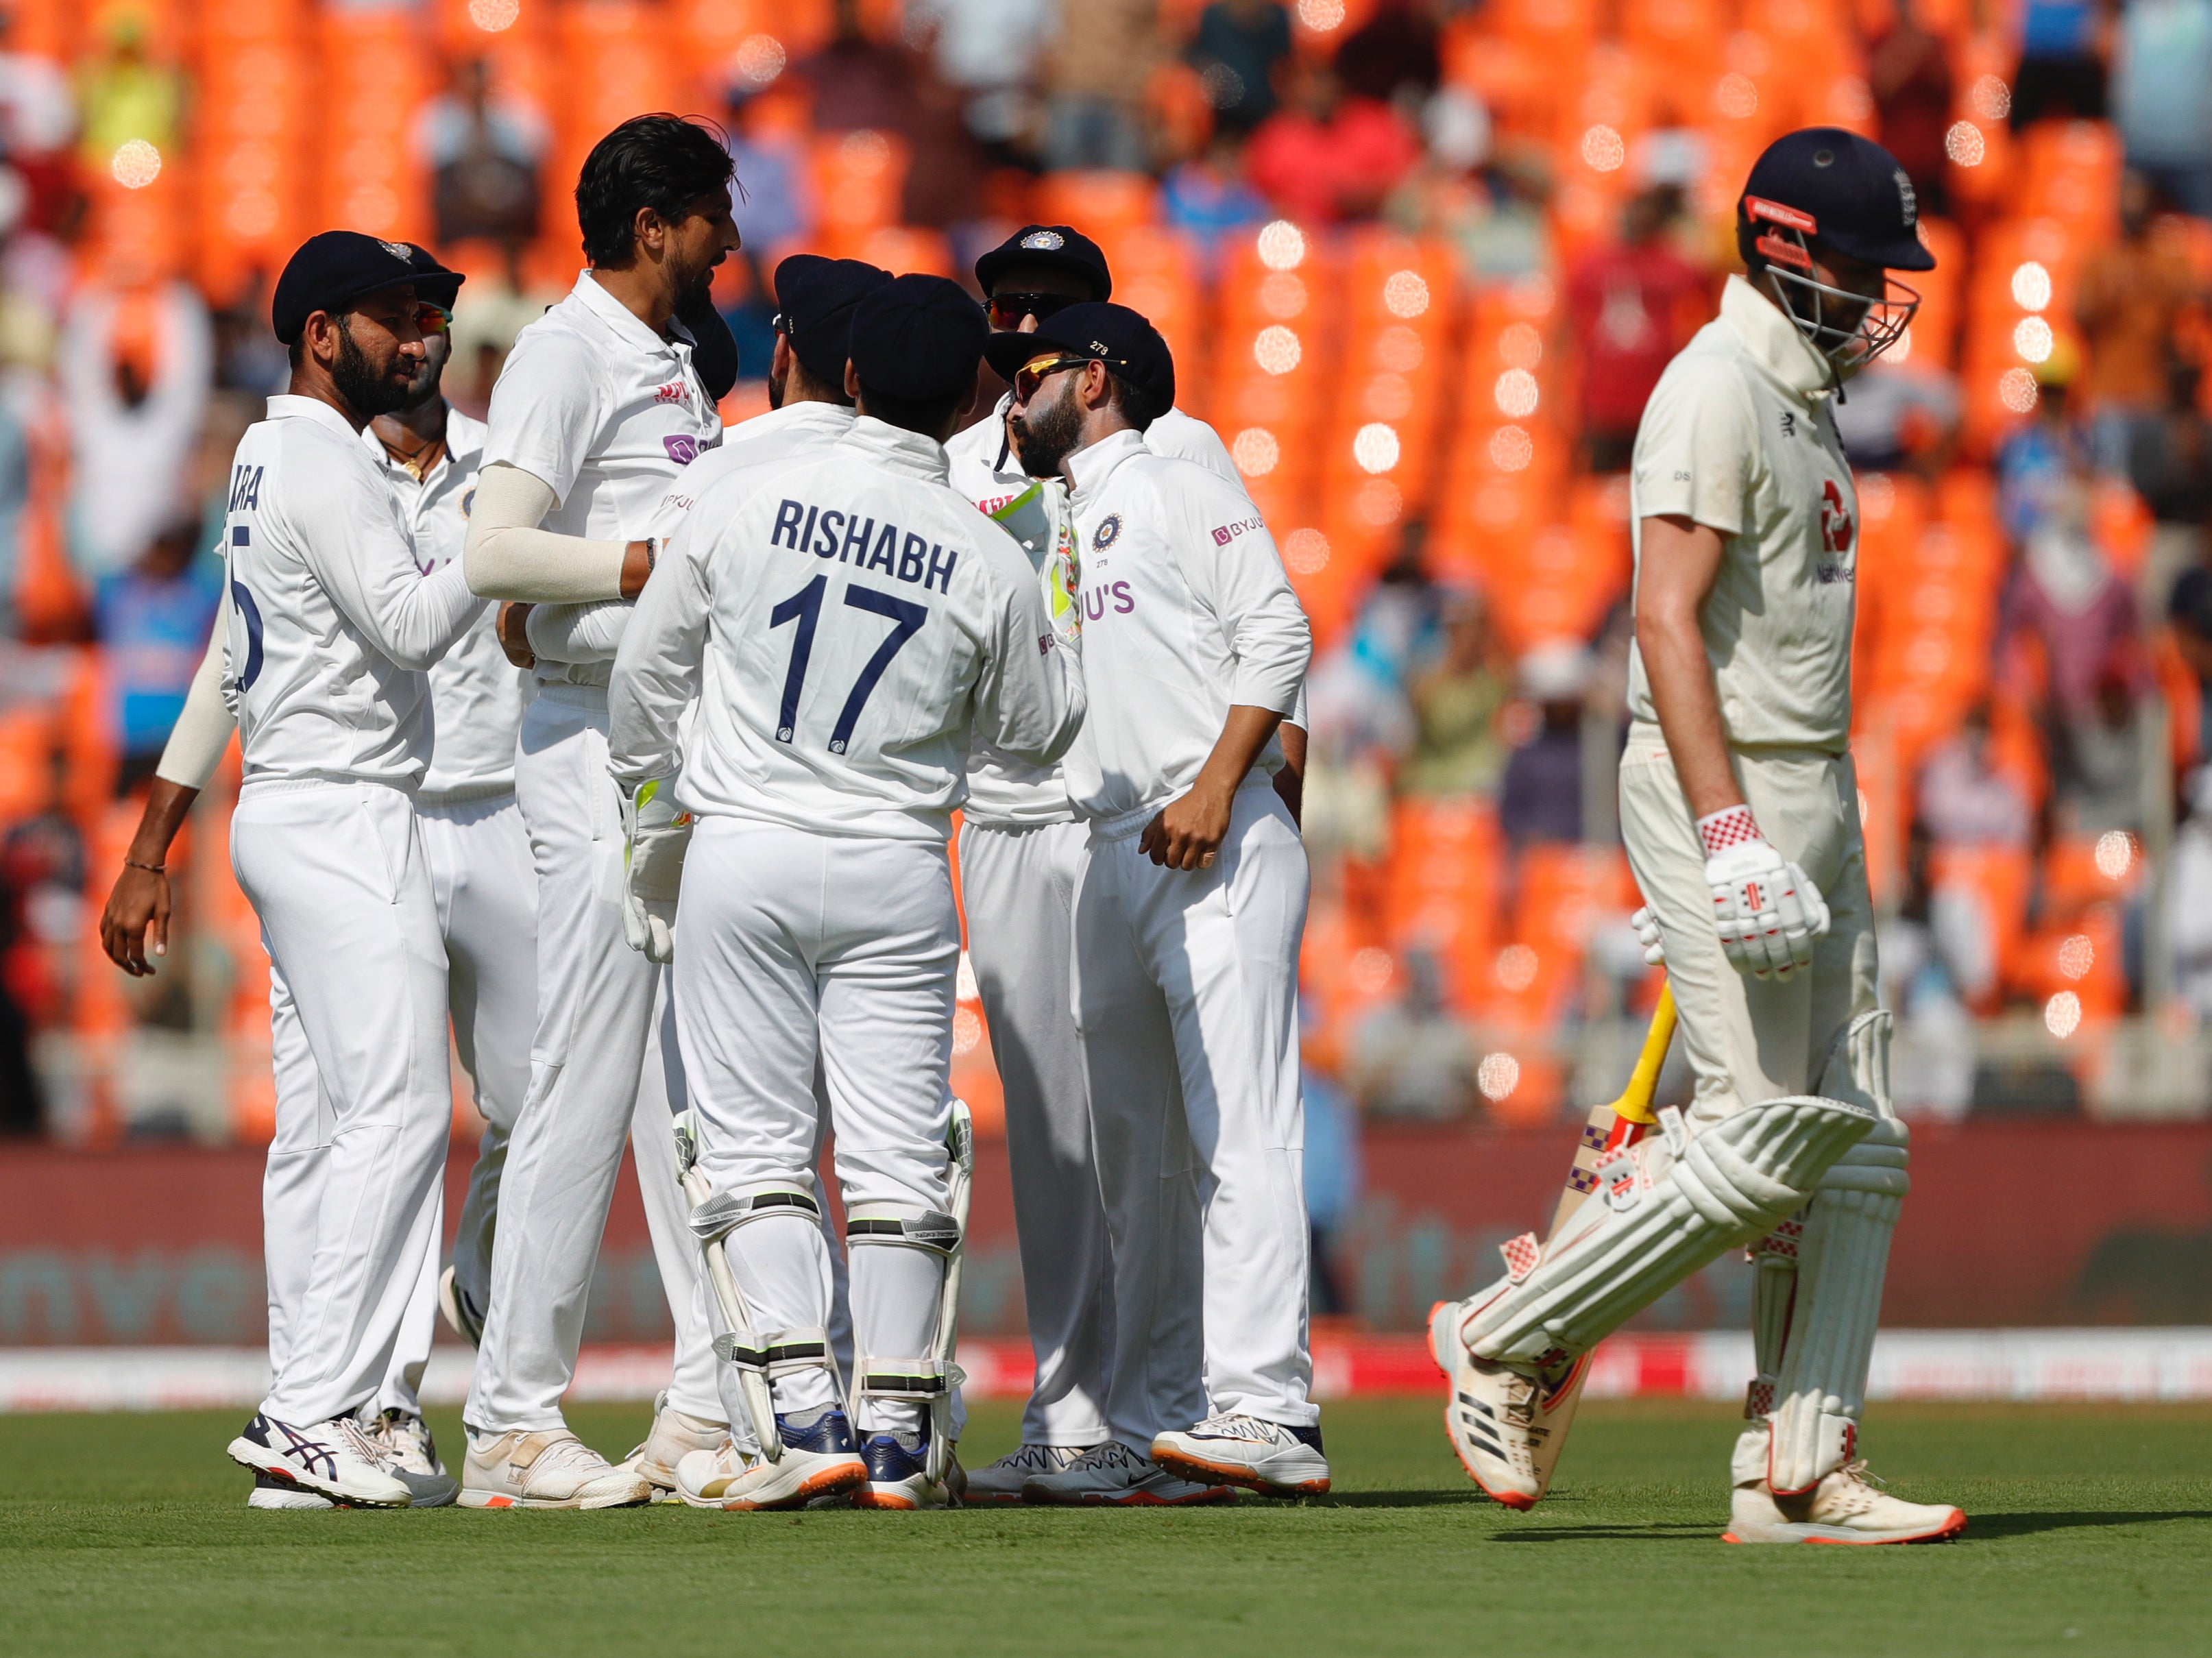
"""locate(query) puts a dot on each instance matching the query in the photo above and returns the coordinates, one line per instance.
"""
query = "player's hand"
(1189, 831)
(1767, 911)
(135, 923)
(514, 635)
(655, 837)
(1648, 935)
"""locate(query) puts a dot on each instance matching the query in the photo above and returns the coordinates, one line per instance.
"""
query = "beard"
(367, 391)
(1046, 436)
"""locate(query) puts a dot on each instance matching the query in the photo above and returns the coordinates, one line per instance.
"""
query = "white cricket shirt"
(1001, 790)
(332, 623)
(606, 413)
(475, 693)
(1739, 435)
(848, 623)
(793, 429)
(1186, 613)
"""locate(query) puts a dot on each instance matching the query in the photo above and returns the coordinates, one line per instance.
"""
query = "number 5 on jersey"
(804, 607)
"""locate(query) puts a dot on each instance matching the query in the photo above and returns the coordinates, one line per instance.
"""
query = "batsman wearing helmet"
(1739, 808)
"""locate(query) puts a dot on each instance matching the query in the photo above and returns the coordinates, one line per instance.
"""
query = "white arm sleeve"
(508, 556)
(657, 669)
(577, 633)
(1029, 697)
(203, 730)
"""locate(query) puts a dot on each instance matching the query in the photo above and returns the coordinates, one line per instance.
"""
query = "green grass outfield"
(2091, 1533)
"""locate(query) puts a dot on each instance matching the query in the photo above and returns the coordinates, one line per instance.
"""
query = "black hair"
(924, 416)
(665, 162)
(1136, 405)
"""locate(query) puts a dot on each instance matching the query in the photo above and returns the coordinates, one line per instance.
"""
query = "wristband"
(1723, 829)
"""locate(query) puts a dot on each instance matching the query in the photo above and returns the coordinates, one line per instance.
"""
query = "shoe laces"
(1043, 1459)
(1232, 1425)
(569, 1452)
(370, 1448)
(1109, 1458)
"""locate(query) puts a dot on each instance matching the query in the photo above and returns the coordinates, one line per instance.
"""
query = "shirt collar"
(898, 450)
(1774, 341)
(832, 418)
(1089, 469)
(285, 406)
(464, 442)
(619, 317)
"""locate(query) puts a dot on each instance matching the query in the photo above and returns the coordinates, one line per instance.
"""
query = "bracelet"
(651, 555)
(150, 869)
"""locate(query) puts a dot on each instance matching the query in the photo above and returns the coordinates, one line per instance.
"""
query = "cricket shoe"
(1113, 1476)
(335, 1458)
(675, 1436)
(462, 1316)
(1001, 1481)
(1231, 1449)
(898, 1474)
(818, 1461)
(270, 1492)
(1506, 1426)
(550, 1469)
(406, 1439)
(1845, 1506)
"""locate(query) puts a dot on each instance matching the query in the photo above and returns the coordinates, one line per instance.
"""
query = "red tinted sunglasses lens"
(1007, 310)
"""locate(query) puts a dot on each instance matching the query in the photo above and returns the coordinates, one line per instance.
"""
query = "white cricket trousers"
(1019, 886)
(1186, 989)
(336, 871)
(797, 951)
(1747, 1039)
(487, 898)
(597, 1076)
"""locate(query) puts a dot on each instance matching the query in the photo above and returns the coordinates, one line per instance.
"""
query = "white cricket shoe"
(1506, 1426)
(548, 1469)
(335, 1458)
(1844, 1508)
(1001, 1481)
(1231, 1449)
(898, 1474)
(1114, 1476)
(674, 1437)
(818, 1462)
(270, 1492)
(462, 1316)
(415, 1458)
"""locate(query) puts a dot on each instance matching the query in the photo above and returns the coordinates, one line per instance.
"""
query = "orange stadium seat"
(899, 249)
(1443, 881)
(1995, 879)
(1686, 37)
(2081, 871)
(1155, 273)
(859, 178)
(2069, 171)
(1103, 205)
(2082, 957)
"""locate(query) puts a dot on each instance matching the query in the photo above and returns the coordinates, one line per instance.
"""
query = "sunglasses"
(1028, 380)
(433, 318)
(1007, 310)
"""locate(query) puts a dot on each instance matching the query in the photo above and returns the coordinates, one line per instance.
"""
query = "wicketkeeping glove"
(655, 837)
(1768, 913)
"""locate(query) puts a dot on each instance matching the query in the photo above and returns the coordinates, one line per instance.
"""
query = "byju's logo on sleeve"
(682, 448)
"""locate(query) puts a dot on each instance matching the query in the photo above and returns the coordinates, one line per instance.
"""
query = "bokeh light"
(1511, 449)
(2061, 1015)
(2077, 955)
(136, 164)
(1964, 144)
(1282, 245)
(1255, 452)
(2115, 854)
(2017, 390)
(1305, 552)
(1406, 295)
(1515, 394)
(495, 17)
(2031, 286)
(1277, 349)
(1497, 1076)
(1375, 446)
(1603, 149)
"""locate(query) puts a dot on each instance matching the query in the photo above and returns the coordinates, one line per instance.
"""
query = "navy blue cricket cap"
(1124, 340)
(332, 270)
(814, 298)
(1057, 246)
(1840, 190)
(918, 338)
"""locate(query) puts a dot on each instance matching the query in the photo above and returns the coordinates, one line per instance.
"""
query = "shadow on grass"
(2024, 1525)
(1428, 1499)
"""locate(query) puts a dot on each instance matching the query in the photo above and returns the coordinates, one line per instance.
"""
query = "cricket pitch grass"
(2091, 1532)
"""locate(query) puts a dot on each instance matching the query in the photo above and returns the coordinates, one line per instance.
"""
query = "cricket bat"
(1624, 1121)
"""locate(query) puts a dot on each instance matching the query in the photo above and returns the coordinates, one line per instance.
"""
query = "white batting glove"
(1768, 912)
(655, 837)
(1648, 935)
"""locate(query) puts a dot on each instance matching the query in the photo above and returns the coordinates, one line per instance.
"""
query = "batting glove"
(1648, 935)
(1767, 911)
(655, 837)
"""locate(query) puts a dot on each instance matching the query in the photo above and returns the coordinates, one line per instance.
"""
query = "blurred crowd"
(1421, 262)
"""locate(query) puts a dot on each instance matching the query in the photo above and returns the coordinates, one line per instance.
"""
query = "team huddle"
(625, 749)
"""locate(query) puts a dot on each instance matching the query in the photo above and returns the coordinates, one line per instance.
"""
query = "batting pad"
(1641, 1235)
(1843, 1251)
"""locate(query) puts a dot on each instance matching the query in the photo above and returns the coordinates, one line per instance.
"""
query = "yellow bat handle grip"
(1635, 1101)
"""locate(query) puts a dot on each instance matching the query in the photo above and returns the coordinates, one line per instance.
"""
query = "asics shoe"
(335, 1459)
(818, 1462)
(1231, 1449)
(1001, 1481)
(547, 1469)
(414, 1457)
(1112, 1475)
(270, 1492)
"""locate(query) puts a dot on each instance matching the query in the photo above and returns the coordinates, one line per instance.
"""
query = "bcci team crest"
(1105, 534)
(1045, 241)
(399, 251)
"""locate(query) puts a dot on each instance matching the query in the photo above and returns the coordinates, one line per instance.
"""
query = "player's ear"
(852, 379)
(649, 229)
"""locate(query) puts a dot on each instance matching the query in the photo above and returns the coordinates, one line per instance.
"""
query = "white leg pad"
(1657, 1219)
(1843, 1253)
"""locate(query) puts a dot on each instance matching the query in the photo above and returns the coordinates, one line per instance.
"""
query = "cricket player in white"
(845, 622)
(1740, 809)
(1190, 902)
(1021, 846)
(332, 626)
(597, 410)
